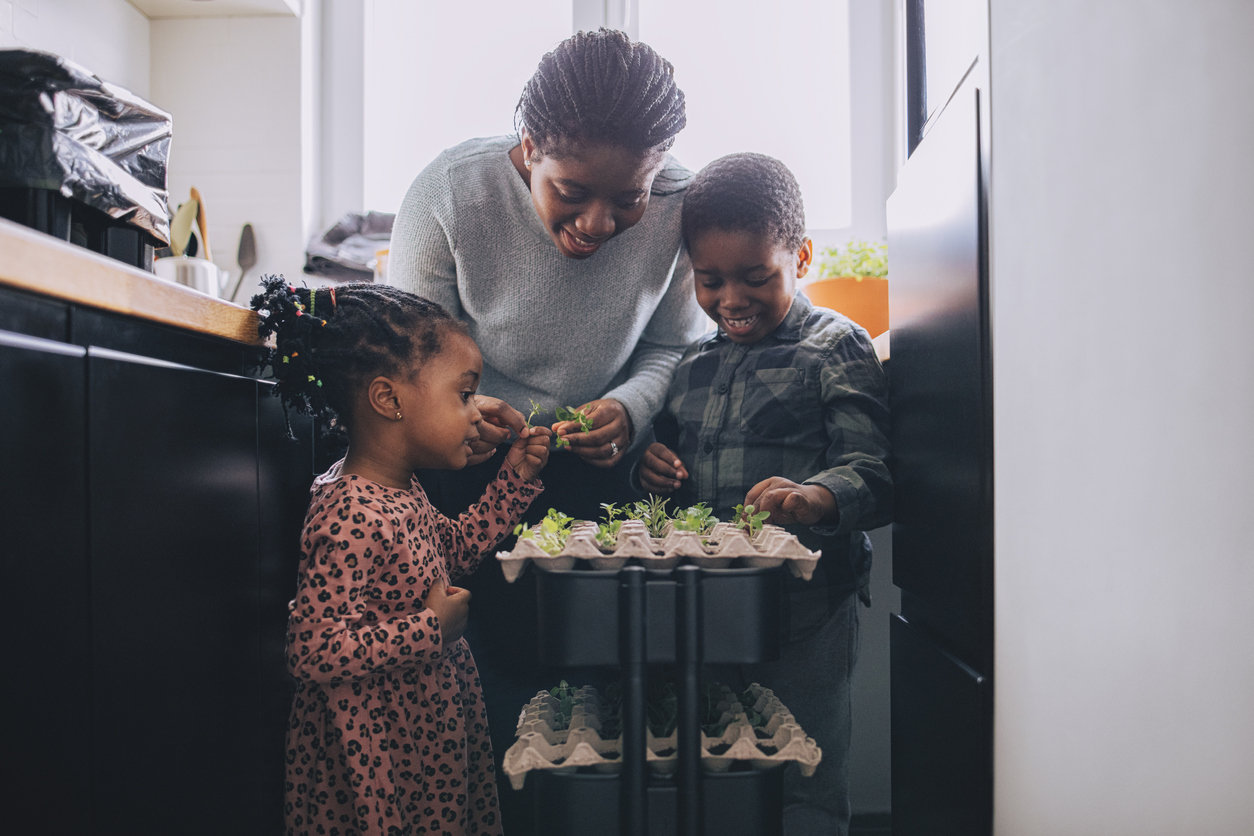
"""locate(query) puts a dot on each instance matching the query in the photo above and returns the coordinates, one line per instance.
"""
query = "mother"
(560, 248)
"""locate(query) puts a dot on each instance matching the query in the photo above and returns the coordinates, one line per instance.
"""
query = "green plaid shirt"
(809, 402)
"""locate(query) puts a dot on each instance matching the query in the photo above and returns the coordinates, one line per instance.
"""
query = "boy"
(784, 408)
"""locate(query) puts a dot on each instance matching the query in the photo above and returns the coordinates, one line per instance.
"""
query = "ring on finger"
(613, 448)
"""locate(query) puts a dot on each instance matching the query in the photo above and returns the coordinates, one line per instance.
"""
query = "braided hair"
(330, 342)
(601, 87)
(746, 192)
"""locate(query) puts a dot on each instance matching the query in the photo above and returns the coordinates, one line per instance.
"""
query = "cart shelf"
(636, 618)
(743, 802)
(579, 617)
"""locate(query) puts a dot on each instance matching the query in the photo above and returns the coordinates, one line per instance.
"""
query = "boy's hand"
(661, 471)
(452, 606)
(499, 418)
(530, 452)
(791, 503)
(606, 443)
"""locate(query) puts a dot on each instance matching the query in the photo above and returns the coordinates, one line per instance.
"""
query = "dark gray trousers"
(812, 678)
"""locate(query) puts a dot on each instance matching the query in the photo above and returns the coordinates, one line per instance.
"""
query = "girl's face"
(589, 193)
(438, 405)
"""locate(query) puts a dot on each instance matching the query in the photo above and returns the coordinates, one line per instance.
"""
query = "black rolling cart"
(640, 619)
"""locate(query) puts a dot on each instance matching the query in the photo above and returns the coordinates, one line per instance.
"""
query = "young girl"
(388, 733)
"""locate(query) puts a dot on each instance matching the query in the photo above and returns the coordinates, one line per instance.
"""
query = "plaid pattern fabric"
(809, 403)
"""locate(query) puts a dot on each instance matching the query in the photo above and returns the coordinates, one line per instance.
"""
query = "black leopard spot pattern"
(388, 733)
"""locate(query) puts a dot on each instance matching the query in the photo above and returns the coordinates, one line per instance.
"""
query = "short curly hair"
(746, 192)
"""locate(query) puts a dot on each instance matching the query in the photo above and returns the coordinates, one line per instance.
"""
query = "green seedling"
(652, 512)
(566, 413)
(698, 518)
(607, 532)
(747, 520)
(550, 533)
(536, 409)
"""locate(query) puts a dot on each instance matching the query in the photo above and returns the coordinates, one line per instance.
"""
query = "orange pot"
(864, 299)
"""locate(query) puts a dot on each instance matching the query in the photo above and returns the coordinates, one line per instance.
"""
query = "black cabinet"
(152, 513)
(46, 697)
(175, 645)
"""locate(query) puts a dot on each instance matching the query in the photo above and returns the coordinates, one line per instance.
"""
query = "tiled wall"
(233, 86)
(108, 37)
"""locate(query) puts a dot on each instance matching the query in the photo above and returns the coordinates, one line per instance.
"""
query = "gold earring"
(398, 416)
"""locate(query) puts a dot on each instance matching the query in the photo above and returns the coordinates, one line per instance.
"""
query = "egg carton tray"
(579, 744)
(724, 546)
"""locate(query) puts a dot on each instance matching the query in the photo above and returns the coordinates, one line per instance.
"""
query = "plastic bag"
(64, 129)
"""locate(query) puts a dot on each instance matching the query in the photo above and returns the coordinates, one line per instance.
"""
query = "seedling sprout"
(749, 521)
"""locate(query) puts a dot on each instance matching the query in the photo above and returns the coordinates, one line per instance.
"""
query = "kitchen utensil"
(202, 222)
(247, 257)
(181, 226)
(196, 273)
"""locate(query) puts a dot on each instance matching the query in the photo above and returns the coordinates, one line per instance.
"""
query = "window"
(763, 77)
(767, 77)
(439, 73)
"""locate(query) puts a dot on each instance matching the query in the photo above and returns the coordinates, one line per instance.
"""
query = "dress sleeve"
(421, 258)
(466, 539)
(339, 629)
(675, 324)
(854, 391)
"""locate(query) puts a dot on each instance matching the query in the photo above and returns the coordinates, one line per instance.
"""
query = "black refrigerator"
(942, 418)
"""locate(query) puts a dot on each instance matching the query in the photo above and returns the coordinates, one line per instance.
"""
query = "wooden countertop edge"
(35, 262)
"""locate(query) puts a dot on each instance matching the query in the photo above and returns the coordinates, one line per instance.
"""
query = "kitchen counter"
(37, 263)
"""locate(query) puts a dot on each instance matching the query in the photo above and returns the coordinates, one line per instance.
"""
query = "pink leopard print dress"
(388, 733)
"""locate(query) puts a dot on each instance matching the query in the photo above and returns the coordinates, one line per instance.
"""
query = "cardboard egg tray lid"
(542, 746)
(724, 546)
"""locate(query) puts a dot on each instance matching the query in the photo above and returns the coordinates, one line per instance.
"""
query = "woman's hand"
(530, 452)
(499, 418)
(791, 503)
(606, 443)
(661, 471)
(452, 606)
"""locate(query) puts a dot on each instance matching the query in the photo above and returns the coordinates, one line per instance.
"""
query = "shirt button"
(709, 448)
(722, 390)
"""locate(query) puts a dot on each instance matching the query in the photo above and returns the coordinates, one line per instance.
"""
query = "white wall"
(1122, 207)
(107, 37)
(244, 132)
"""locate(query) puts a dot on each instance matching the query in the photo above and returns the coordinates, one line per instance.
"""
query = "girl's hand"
(661, 471)
(791, 503)
(530, 452)
(452, 606)
(499, 418)
(606, 443)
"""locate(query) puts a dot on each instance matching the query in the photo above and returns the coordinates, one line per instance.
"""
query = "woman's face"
(589, 193)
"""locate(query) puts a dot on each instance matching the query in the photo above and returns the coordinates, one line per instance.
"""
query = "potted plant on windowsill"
(853, 280)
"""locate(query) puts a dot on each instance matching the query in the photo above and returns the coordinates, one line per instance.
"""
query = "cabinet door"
(174, 597)
(43, 559)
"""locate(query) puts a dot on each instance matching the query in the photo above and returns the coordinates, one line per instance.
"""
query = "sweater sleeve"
(339, 629)
(676, 322)
(854, 391)
(466, 539)
(421, 258)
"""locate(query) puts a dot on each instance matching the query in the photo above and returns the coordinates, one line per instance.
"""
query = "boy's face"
(745, 281)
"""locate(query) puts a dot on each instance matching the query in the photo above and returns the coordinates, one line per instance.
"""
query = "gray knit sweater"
(559, 330)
